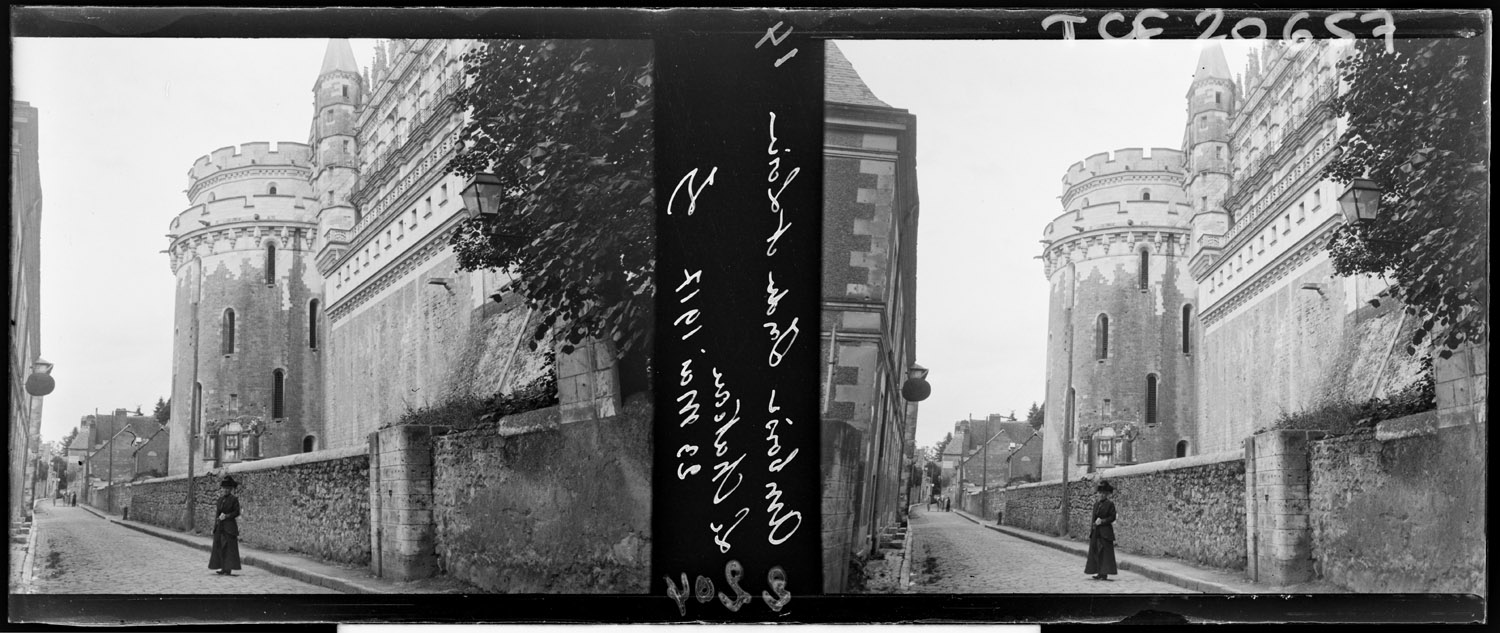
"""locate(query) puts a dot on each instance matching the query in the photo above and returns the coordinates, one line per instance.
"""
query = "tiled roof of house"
(842, 84)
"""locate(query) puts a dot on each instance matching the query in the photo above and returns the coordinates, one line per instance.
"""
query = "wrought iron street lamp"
(482, 196)
(916, 388)
(1361, 202)
(40, 382)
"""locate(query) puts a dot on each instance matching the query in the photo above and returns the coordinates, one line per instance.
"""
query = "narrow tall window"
(226, 341)
(1187, 328)
(1103, 336)
(1150, 399)
(1072, 397)
(1145, 270)
(1182, 448)
(197, 410)
(344, 91)
(1218, 97)
(278, 393)
(312, 324)
(270, 263)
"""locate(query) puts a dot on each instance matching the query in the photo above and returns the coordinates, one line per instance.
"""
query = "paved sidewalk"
(296, 566)
(1167, 570)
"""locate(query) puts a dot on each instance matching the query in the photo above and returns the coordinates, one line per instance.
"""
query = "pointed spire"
(1212, 64)
(339, 57)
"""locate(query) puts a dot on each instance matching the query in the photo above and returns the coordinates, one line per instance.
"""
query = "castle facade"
(317, 296)
(1193, 301)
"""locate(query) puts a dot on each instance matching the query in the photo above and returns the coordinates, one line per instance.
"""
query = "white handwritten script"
(1248, 28)
(708, 407)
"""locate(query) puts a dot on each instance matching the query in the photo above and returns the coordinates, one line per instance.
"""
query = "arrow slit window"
(1145, 269)
(1150, 399)
(226, 342)
(1103, 334)
(270, 263)
(278, 389)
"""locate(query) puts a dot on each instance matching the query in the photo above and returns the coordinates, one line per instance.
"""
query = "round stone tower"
(1118, 372)
(246, 374)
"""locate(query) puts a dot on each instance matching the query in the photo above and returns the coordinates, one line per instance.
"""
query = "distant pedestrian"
(225, 555)
(947, 504)
(1101, 560)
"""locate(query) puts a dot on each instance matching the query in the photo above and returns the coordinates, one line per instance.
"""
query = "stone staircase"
(19, 530)
(893, 537)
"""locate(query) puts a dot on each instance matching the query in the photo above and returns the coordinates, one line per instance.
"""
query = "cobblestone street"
(78, 552)
(953, 555)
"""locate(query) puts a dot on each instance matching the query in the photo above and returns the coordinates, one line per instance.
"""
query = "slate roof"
(339, 56)
(1212, 64)
(842, 84)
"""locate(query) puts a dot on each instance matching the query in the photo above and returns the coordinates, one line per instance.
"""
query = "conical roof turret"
(1212, 64)
(339, 57)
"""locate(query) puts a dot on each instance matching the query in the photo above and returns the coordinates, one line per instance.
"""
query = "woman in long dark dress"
(225, 556)
(1101, 560)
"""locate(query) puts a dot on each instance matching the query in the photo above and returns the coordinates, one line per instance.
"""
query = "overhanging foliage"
(1418, 125)
(567, 127)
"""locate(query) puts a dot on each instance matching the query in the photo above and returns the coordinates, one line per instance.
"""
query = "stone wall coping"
(1150, 467)
(272, 463)
(1424, 423)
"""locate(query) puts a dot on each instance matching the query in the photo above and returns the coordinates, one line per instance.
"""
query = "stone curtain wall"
(1401, 516)
(841, 469)
(313, 503)
(562, 508)
(1191, 508)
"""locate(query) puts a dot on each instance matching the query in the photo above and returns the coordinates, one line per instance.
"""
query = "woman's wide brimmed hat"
(1105, 487)
(229, 482)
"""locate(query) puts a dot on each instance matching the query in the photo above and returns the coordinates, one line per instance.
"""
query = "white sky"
(122, 120)
(998, 123)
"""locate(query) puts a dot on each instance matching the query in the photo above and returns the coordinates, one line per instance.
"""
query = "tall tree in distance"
(943, 445)
(163, 411)
(566, 125)
(1036, 415)
(1418, 126)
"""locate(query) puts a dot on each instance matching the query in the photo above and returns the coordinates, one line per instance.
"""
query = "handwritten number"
(1332, 24)
(679, 596)
(733, 572)
(777, 579)
(1386, 30)
(776, 41)
(1297, 36)
(1208, 33)
(1255, 22)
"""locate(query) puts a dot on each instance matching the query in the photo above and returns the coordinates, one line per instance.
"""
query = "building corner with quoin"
(870, 213)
